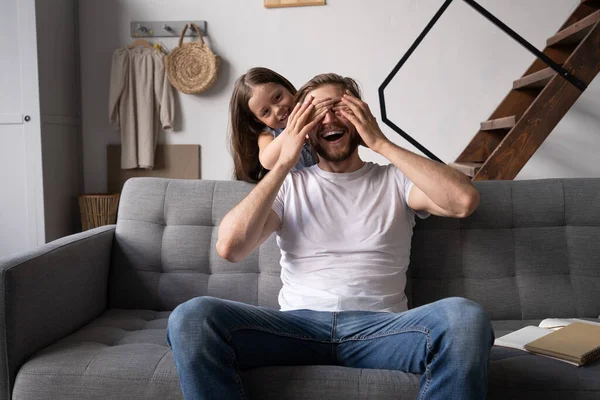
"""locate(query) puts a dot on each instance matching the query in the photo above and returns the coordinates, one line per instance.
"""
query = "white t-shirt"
(345, 239)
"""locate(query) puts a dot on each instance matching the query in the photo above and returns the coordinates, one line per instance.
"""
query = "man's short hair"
(343, 83)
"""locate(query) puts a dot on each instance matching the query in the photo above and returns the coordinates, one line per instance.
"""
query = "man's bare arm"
(252, 221)
(438, 189)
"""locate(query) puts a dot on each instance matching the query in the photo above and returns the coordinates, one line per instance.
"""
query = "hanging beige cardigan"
(140, 103)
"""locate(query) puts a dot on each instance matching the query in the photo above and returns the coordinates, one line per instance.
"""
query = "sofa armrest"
(49, 292)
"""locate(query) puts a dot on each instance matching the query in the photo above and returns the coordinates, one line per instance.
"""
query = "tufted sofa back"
(531, 250)
(164, 251)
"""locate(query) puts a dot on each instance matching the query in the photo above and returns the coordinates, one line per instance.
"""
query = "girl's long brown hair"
(245, 127)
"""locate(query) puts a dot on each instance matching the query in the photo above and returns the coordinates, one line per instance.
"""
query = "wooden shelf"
(292, 3)
(467, 168)
(500, 123)
(536, 80)
(576, 32)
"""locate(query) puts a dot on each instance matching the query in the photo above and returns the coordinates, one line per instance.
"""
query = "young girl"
(260, 105)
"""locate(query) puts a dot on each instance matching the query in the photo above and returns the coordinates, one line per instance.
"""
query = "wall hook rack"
(164, 28)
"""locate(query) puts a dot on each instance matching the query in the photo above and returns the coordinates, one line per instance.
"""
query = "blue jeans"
(447, 342)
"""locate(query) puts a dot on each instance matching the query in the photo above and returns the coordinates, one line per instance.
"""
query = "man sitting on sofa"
(344, 227)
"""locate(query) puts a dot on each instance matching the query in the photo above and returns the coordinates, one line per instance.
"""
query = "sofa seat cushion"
(329, 382)
(124, 354)
(120, 353)
(517, 374)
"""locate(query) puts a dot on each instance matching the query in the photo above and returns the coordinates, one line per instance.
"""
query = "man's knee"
(463, 315)
(190, 317)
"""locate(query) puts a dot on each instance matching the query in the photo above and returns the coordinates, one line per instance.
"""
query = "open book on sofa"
(575, 345)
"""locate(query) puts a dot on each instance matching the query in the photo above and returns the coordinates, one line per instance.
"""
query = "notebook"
(577, 343)
(526, 335)
(518, 339)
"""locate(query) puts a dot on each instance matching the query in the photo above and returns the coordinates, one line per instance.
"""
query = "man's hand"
(358, 113)
(298, 127)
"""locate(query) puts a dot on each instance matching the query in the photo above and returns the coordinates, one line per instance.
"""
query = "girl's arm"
(269, 149)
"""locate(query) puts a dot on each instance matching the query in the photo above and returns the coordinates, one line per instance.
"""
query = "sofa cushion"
(120, 353)
(164, 250)
(528, 251)
(330, 383)
(516, 374)
(124, 354)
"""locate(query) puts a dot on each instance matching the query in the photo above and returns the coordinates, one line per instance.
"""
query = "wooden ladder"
(537, 101)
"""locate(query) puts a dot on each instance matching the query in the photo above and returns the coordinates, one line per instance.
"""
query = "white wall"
(454, 81)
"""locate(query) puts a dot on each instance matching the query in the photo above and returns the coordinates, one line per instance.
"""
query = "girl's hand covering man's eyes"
(300, 123)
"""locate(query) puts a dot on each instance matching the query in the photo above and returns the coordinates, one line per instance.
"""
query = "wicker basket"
(192, 67)
(98, 209)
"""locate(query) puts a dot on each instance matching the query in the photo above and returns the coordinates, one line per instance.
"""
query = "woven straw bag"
(192, 67)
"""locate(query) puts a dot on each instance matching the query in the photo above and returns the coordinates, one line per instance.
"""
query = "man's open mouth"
(333, 136)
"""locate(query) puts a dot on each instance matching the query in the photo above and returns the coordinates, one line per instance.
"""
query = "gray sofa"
(84, 317)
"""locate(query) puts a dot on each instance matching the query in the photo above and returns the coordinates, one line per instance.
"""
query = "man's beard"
(353, 142)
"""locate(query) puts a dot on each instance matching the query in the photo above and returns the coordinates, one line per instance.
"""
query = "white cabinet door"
(21, 196)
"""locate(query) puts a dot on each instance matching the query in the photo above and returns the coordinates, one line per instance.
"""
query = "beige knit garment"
(140, 103)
